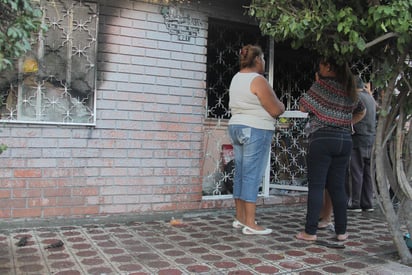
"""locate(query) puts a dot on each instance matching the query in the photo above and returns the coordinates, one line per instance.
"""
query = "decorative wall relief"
(180, 24)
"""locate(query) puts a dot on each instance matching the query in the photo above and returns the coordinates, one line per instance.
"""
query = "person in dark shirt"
(360, 188)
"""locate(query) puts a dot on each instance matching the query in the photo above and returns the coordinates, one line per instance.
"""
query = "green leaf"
(383, 27)
(340, 27)
(3, 147)
(18, 29)
(361, 44)
(383, 113)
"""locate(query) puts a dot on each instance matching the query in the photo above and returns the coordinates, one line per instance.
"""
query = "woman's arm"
(267, 97)
(356, 117)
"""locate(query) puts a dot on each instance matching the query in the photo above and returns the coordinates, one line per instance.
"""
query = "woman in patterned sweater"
(333, 107)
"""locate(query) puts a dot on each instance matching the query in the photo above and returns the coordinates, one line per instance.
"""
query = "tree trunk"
(386, 171)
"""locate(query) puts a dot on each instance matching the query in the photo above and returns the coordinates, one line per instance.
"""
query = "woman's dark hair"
(343, 75)
(248, 54)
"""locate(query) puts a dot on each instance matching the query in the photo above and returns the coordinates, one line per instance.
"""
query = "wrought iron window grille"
(55, 83)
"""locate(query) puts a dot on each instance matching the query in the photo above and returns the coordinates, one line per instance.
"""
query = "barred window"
(225, 39)
(56, 81)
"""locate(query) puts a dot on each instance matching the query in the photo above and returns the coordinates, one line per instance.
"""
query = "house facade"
(121, 108)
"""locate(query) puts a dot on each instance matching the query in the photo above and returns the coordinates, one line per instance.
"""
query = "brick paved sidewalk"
(203, 244)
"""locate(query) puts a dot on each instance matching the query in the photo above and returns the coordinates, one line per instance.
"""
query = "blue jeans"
(327, 160)
(251, 148)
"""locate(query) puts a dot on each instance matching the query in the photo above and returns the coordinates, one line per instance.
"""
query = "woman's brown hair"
(248, 54)
(343, 75)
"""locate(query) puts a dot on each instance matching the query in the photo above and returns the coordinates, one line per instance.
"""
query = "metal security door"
(291, 73)
(225, 40)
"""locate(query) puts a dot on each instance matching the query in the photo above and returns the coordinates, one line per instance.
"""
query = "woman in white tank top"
(254, 107)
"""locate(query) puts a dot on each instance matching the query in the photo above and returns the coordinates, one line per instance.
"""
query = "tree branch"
(380, 39)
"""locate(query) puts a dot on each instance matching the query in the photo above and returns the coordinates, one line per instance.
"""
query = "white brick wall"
(145, 152)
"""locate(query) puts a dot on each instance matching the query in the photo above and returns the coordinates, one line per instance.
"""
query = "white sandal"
(250, 231)
(237, 224)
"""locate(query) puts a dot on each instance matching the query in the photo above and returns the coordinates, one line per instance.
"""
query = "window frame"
(38, 45)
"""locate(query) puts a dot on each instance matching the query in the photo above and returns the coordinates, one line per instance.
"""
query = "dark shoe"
(354, 209)
(329, 244)
(368, 209)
